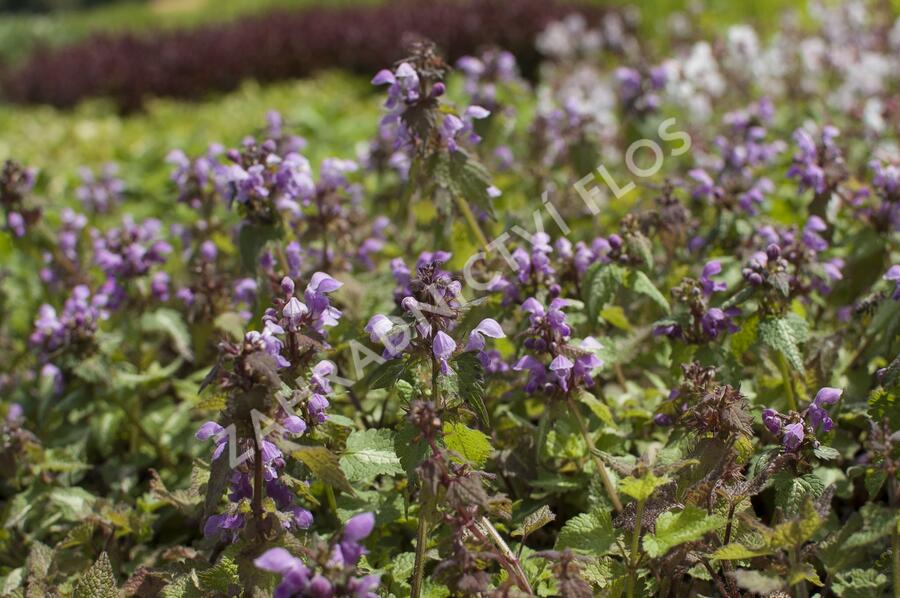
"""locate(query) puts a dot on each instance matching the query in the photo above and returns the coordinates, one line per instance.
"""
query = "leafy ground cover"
(628, 330)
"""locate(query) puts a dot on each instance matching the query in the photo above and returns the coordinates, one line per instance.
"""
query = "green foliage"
(98, 581)
(368, 454)
(471, 445)
(673, 529)
(591, 533)
(785, 335)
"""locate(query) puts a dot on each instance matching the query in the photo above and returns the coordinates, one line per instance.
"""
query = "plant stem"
(788, 382)
(463, 206)
(421, 545)
(895, 534)
(634, 553)
(258, 481)
(598, 463)
(510, 561)
(800, 588)
(332, 501)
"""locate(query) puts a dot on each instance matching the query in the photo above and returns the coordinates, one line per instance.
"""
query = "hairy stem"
(510, 562)
(258, 480)
(634, 553)
(598, 463)
(463, 206)
(788, 381)
(421, 545)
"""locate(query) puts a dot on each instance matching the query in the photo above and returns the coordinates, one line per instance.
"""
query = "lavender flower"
(100, 192)
(893, 275)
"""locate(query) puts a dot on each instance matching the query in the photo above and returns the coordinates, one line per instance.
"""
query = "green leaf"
(232, 324)
(738, 552)
(598, 407)
(219, 474)
(384, 375)
(601, 281)
(470, 180)
(470, 380)
(322, 463)
(795, 532)
(643, 285)
(641, 489)
(169, 322)
(673, 529)
(471, 445)
(859, 583)
(369, 454)
(588, 532)
(40, 557)
(639, 246)
(615, 315)
(758, 582)
(878, 521)
(251, 239)
(98, 581)
(535, 521)
(742, 340)
(784, 335)
(220, 577)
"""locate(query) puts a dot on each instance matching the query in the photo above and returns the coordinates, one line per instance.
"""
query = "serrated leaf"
(639, 246)
(673, 529)
(592, 533)
(641, 489)
(220, 577)
(859, 583)
(643, 285)
(470, 180)
(322, 463)
(742, 340)
(784, 335)
(98, 581)
(370, 453)
(535, 521)
(169, 322)
(878, 521)
(795, 532)
(38, 562)
(470, 381)
(601, 281)
(804, 572)
(472, 445)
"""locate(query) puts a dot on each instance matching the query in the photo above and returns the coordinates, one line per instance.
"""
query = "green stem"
(421, 545)
(800, 588)
(332, 501)
(788, 381)
(598, 463)
(463, 206)
(634, 553)
(895, 534)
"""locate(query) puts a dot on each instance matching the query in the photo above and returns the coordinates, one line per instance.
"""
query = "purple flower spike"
(710, 286)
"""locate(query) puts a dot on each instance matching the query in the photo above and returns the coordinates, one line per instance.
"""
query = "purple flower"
(710, 286)
(793, 436)
(487, 327)
(828, 396)
(443, 347)
(893, 275)
(771, 420)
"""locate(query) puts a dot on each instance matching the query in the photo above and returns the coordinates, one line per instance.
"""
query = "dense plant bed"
(280, 45)
(631, 329)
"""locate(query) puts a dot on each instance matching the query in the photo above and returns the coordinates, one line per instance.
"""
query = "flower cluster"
(330, 571)
(548, 334)
(100, 192)
(817, 165)
(76, 324)
(16, 182)
(699, 322)
(792, 429)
